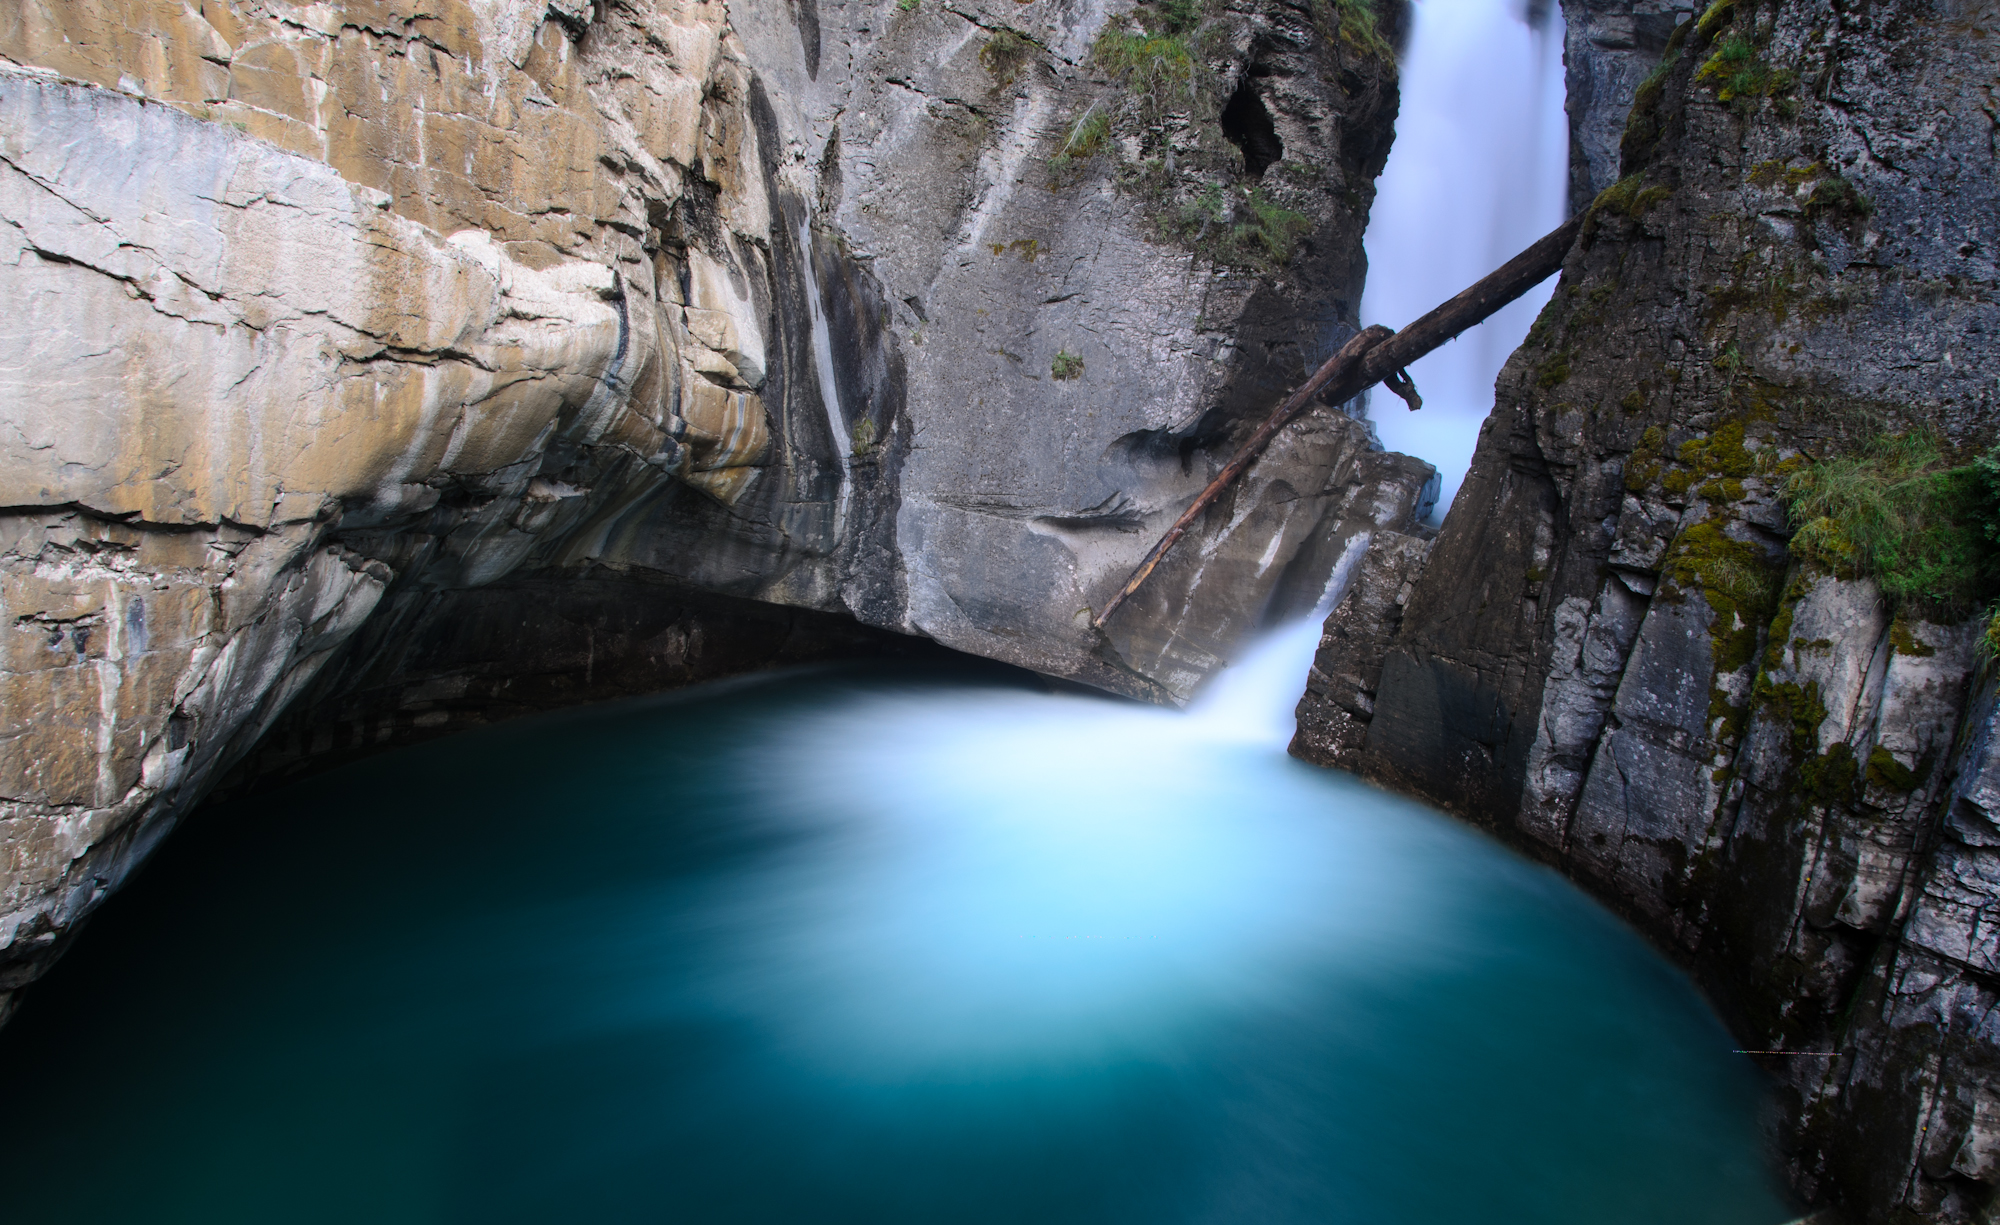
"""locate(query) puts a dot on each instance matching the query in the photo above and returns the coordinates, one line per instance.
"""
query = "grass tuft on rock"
(1005, 55)
(1085, 139)
(1354, 23)
(1899, 511)
(1740, 72)
(1240, 225)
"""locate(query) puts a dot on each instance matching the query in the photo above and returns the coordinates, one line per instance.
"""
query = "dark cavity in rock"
(1247, 125)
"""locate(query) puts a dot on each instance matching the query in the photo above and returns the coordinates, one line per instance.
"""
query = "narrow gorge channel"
(829, 610)
(905, 943)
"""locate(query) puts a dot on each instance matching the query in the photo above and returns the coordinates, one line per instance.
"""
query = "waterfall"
(1478, 171)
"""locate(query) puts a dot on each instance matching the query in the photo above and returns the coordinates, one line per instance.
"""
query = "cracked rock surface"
(661, 337)
(1612, 658)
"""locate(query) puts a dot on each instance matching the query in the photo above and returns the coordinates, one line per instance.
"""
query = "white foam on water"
(997, 876)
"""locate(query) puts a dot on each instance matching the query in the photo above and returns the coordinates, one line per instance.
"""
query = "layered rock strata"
(924, 316)
(1612, 657)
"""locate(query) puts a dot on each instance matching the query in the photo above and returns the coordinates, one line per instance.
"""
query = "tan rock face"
(288, 278)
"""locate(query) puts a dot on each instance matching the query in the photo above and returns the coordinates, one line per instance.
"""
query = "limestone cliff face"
(337, 327)
(1609, 48)
(1612, 656)
(1058, 285)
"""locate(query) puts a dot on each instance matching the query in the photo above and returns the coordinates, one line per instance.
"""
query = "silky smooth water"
(1479, 170)
(875, 946)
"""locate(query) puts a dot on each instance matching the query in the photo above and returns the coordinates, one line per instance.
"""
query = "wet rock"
(1347, 669)
(1613, 659)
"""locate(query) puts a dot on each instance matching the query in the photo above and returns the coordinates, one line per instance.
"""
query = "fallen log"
(1340, 365)
(1374, 355)
(1504, 284)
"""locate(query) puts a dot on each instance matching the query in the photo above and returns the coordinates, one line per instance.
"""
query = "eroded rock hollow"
(374, 368)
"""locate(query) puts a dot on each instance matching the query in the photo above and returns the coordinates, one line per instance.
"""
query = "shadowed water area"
(867, 945)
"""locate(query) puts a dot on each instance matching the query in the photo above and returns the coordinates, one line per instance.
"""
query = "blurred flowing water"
(1479, 171)
(867, 945)
(872, 945)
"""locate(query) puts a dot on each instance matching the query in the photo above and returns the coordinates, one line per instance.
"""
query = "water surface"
(874, 946)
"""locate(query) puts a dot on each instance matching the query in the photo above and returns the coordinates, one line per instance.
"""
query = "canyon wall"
(1614, 656)
(659, 336)
(1609, 48)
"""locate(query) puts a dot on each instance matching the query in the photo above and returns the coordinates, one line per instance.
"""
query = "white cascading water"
(1071, 900)
(1479, 171)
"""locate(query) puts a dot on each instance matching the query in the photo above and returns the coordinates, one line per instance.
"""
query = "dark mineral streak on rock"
(1610, 657)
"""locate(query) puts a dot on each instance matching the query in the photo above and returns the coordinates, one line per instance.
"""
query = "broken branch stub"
(1374, 355)
(1470, 308)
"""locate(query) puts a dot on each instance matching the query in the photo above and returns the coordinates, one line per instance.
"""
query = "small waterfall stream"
(1479, 170)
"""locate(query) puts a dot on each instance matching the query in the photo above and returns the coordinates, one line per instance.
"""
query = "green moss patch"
(1772, 173)
(1239, 225)
(1354, 23)
(1741, 586)
(1834, 198)
(1885, 771)
(1711, 468)
(1739, 582)
(1822, 778)
(1630, 196)
(1738, 71)
(1904, 642)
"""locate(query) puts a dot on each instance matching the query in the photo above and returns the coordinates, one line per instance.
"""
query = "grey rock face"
(1333, 716)
(1609, 47)
(1612, 658)
(1062, 366)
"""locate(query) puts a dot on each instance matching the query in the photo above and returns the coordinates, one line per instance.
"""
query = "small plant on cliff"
(1004, 55)
(1239, 225)
(1899, 511)
(1163, 62)
(1158, 67)
(1353, 22)
(1737, 67)
(1066, 366)
(1085, 139)
(1266, 233)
